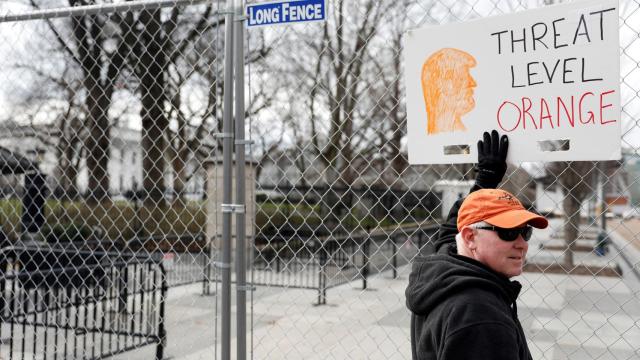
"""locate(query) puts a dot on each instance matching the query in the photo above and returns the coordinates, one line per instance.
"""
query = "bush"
(63, 233)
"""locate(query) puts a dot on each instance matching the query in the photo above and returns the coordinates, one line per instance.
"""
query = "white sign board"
(548, 78)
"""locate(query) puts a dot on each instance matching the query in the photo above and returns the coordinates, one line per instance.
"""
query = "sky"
(15, 40)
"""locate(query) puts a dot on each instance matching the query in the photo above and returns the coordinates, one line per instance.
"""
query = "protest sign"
(548, 78)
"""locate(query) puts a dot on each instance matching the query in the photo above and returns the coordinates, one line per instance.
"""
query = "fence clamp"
(226, 12)
(223, 135)
(221, 265)
(232, 208)
(247, 287)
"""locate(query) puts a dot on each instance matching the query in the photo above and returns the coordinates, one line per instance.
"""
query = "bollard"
(322, 277)
(365, 261)
(394, 258)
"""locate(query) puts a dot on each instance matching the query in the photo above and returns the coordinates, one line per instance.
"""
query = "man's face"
(505, 257)
(461, 91)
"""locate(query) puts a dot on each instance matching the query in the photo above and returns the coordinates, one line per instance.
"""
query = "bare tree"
(161, 43)
(343, 84)
(101, 65)
(336, 85)
(197, 63)
(150, 67)
(576, 179)
(55, 92)
(97, 45)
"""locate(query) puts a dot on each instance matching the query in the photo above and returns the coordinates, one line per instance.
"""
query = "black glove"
(492, 164)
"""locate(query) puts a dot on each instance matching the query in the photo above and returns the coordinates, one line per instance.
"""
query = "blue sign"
(286, 12)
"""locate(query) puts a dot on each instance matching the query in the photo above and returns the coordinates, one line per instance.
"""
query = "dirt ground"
(629, 229)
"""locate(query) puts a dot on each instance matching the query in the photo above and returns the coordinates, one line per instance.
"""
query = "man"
(462, 302)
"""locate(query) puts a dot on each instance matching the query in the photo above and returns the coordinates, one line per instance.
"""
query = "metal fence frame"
(319, 263)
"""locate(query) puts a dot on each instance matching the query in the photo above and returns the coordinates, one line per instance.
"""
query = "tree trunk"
(67, 169)
(179, 150)
(100, 71)
(180, 171)
(571, 207)
(154, 122)
(97, 145)
(153, 160)
(329, 199)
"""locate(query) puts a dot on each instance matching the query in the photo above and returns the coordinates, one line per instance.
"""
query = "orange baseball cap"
(498, 208)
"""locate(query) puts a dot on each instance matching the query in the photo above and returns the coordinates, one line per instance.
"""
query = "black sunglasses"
(510, 234)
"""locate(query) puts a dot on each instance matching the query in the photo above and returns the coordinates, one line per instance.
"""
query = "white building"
(124, 166)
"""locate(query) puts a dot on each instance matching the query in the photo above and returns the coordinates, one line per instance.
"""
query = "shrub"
(63, 233)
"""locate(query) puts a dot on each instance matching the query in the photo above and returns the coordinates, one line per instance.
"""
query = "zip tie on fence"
(222, 265)
(240, 18)
(247, 287)
(232, 11)
(244, 142)
(224, 135)
(232, 208)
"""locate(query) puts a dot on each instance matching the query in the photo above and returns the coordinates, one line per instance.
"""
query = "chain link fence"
(108, 113)
(112, 207)
(339, 198)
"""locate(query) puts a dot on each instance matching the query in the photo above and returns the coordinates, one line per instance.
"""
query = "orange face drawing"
(447, 86)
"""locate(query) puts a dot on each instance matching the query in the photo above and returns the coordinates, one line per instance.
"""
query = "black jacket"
(461, 309)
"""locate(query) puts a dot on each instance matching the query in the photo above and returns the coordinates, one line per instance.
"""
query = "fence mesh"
(110, 144)
(338, 203)
(108, 113)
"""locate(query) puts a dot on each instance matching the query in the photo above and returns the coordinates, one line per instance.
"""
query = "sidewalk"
(628, 229)
(579, 317)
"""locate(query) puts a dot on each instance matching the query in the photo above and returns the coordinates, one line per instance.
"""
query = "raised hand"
(492, 160)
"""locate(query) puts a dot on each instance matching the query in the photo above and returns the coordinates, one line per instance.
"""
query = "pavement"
(628, 229)
(564, 316)
(626, 241)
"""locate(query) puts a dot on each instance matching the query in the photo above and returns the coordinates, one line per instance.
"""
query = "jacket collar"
(511, 288)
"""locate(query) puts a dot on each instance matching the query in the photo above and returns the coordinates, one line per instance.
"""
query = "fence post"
(394, 258)
(123, 287)
(2, 299)
(227, 173)
(241, 143)
(365, 260)
(322, 277)
(601, 196)
(205, 270)
(162, 336)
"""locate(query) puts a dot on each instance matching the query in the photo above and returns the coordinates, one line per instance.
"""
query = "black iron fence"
(186, 258)
(322, 264)
(65, 304)
(317, 263)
